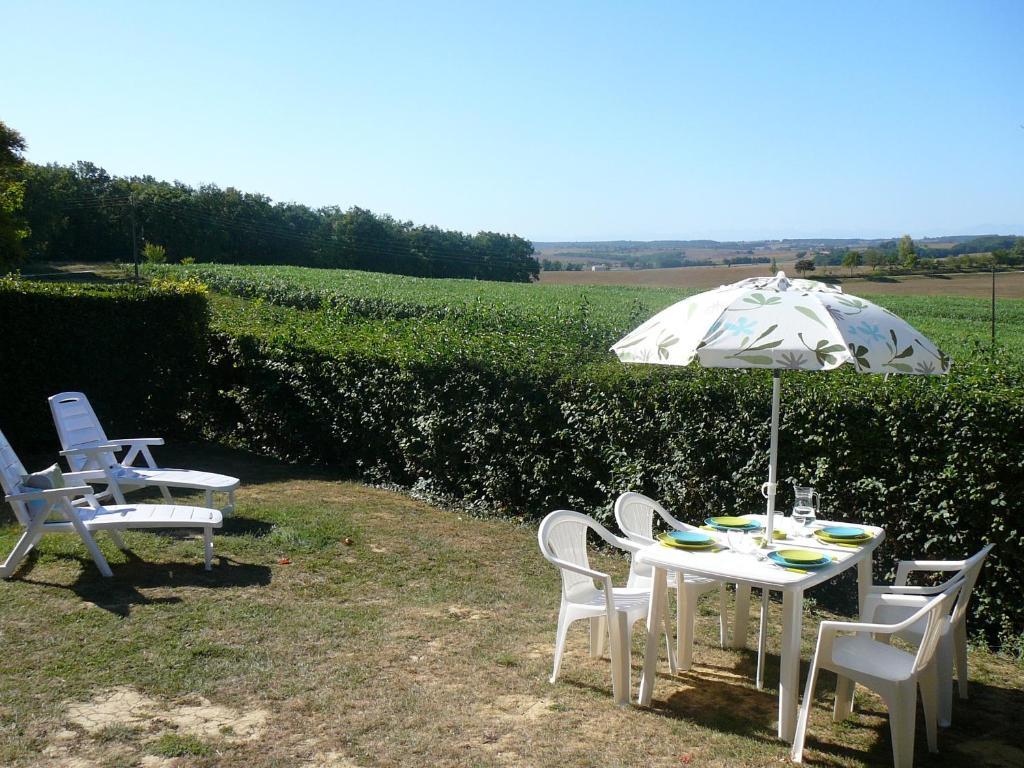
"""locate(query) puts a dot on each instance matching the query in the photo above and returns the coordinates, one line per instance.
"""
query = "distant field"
(1009, 285)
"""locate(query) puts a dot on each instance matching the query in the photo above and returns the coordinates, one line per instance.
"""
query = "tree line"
(80, 212)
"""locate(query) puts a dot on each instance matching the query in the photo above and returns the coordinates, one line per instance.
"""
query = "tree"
(13, 229)
(907, 252)
(804, 265)
(775, 266)
(852, 259)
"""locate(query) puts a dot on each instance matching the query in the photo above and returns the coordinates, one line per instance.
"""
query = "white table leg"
(654, 620)
(684, 626)
(789, 674)
(762, 638)
(739, 624)
(863, 581)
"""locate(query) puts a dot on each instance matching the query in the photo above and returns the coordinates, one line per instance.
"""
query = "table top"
(747, 569)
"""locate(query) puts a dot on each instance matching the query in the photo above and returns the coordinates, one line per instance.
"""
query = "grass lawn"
(425, 641)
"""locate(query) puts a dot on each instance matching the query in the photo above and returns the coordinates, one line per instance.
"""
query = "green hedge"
(139, 353)
(937, 462)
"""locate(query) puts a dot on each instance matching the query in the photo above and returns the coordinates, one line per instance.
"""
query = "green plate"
(800, 556)
(669, 542)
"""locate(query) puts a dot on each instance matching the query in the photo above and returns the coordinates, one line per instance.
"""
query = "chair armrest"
(91, 450)
(50, 493)
(906, 567)
(138, 441)
(604, 577)
(85, 476)
(881, 589)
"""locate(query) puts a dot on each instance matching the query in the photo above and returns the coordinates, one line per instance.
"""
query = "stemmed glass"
(743, 543)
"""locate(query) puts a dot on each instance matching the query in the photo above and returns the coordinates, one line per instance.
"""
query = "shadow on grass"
(121, 593)
(723, 698)
(880, 279)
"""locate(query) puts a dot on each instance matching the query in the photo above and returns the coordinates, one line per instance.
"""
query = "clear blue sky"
(553, 120)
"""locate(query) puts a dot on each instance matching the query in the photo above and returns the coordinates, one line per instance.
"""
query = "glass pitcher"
(805, 507)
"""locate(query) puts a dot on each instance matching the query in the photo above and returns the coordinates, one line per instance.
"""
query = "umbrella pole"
(768, 489)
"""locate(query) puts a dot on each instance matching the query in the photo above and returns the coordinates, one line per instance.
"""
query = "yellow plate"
(734, 522)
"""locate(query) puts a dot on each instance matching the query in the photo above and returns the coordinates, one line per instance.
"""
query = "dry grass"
(1009, 285)
(426, 641)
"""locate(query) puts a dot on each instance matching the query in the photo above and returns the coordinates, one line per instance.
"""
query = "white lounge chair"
(563, 542)
(54, 510)
(890, 604)
(892, 673)
(87, 450)
(634, 513)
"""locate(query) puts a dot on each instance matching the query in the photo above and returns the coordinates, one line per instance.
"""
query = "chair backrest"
(634, 513)
(970, 571)
(77, 425)
(12, 471)
(936, 611)
(563, 536)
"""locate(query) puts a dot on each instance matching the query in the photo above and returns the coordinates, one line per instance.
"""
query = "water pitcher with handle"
(805, 507)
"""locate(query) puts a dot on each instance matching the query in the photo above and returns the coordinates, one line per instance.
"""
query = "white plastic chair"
(892, 673)
(634, 513)
(55, 511)
(890, 604)
(88, 450)
(563, 542)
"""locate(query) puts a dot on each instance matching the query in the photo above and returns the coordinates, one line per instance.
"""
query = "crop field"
(588, 316)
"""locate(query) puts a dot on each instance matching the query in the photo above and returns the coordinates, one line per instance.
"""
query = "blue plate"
(843, 531)
(753, 525)
(779, 560)
(689, 537)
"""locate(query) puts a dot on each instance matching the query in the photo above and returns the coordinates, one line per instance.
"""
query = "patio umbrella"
(781, 324)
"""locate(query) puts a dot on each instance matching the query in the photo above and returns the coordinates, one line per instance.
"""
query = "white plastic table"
(747, 570)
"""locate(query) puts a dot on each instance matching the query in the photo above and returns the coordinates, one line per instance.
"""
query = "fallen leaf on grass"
(284, 561)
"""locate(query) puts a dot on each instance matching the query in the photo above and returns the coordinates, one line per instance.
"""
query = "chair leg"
(230, 508)
(115, 536)
(208, 496)
(166, 493)
(844, 699)
(208, 548)
(902, 717)
(621, 645)
(960, 644)
(560, 633)
(598, 629)
(723, 615)
(22, 548)
(928, 680)
(943, 663)
(670, 648)
(797, 753)
(94, 550)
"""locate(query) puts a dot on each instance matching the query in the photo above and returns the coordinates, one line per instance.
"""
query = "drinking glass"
(741, 542)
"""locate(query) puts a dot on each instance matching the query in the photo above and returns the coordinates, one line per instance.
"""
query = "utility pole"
(993, 304)
(135, 242)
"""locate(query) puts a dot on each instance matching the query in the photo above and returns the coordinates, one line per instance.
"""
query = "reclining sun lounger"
(92, 456)
(74, 509)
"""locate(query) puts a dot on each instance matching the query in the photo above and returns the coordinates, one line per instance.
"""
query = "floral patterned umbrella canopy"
(781, 324)
(775, 322)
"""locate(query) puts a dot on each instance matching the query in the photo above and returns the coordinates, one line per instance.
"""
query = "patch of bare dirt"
(127, 707)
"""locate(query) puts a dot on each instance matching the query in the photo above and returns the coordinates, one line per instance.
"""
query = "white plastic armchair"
(87, 449)
(893, 603)
(634, 513)
(563, 542)
(74, 509)
(892, 673)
